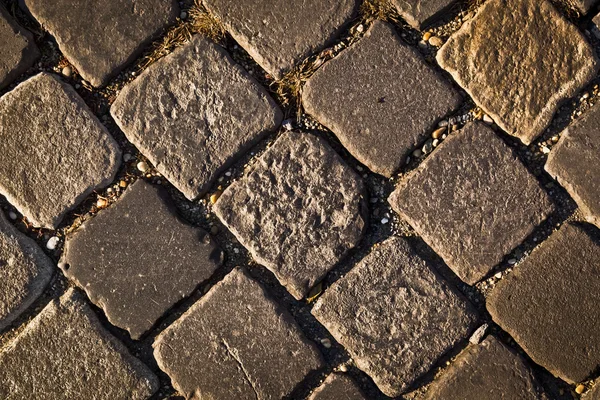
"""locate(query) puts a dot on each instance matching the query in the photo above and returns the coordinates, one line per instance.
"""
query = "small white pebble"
(343, 368)
(545, 150)
(360, 28)
(287, 125)
(228, 173)
(52, 243)
(126, 157)
(67, 71)
(384, 221)
(498, 275)
(183, 15)
(512, 261)
(101, 203)
(326, 343)
(487, 119)
(12, 215)
(236, 250)
(142, 166)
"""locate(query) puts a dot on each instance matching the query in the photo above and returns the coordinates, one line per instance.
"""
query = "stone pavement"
(353, 199)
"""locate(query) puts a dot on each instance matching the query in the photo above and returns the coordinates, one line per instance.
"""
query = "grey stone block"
(298, 210)
(18, 51)
(549, 304)
(100, 37)
(24, 272)
(193, 113)
(519, 59)
(64, 353)
(55, 151)
(235, 343)
(380, 98)
(395, 315)
(489, 371)
(472, 201)
(136, 259)
(280, 34)
(420, 13)
(337, 387)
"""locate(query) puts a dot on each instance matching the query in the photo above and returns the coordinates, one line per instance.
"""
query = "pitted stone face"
(18, 51)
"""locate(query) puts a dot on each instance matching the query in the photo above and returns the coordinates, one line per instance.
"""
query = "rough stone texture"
(583, 6)
(593, 394)
(64, 353)
(55, 151)
(574, 162)
(519, 59)
(419, 13)
(24, 272)
(391, 98)
(280, 34)
(235, 343)
(549, 304)
(100, 37)
(137, 259)
(298, 210)
(472, 201)
(486, 371)
(394, 315)
(193, 112)
(337, 387)
(18, 52)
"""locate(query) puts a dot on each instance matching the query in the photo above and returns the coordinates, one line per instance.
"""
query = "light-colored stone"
(65, 353)
(420, 13)
(519, 59)
(54, 150)
(337, 387)
(298, 210)
(17, 49)
(193, 113)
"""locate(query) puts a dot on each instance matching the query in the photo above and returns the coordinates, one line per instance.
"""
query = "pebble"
(426, 36)
(545, 150)
(443, 123)
(142, 166)
(228, 173)
(478, 335)
(512, 261)
(67, 71)
(12, 215)
(428, 147)
(326, 343)
(101, 203)
(288, 125)
(435, 142)
(417, 153)
(498, 275)
(384, 221)
(580, 389)
(52, 243)
(183, 15)
(214, 230)
(214, 197)
(122, 184)
(126, 157)
(438, 132)
(360, 28)
(343, 368)
(487, 119)
(554, 138)
(435, 41)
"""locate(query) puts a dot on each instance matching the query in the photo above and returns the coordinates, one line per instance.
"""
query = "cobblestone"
(488, 369)
(464, 201)
(394, 315)
(337, 387)
(278, 35)
(55, 150)
(380, 98)
(236, 343)
(100, 37)
(24, 272)
(549, 304)
(574, 163)
(506, 58)
(298, 210)
(193, 112)
(137, 259)
(18, 51)
(420, 13)
(65, 353)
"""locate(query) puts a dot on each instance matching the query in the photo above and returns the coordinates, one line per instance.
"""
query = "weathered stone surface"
(549, 304)
(488, 370)
(391, 98)
(419, 13)
(235, 343)
(18, 52)
(24, 272)
(337, 387)
(583, 6)
(593, 394)
(100, 37)
(64, 353)
(472, 201)
(574, 162)
(519, 59)
(137, 259)
(394, 315)
(298, 210)
(54, 150)
(193, 112)
(280, 34)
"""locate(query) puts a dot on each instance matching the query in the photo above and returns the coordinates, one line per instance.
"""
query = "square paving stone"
(420, 13)
(18, 52)
(137, 259)
(298, 210)
(55, 151)
(391, 98)
(519, 59)
(549, 304)
(64, 353)
(472, 201)
(337, 387)
(574, 162)
(489, 371)
(24, 272)
(395, 315)
(193, 113)
(100, 37)
(235, 343)
(280, 34)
